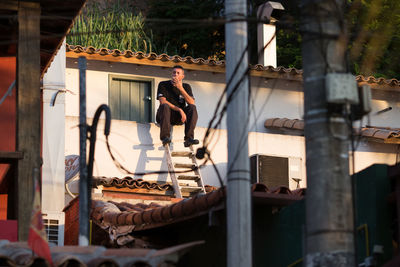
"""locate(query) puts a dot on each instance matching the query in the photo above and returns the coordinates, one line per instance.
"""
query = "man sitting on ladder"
(177, 106)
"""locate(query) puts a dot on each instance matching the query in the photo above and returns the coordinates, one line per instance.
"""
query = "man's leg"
(191, 121)
(163, 117)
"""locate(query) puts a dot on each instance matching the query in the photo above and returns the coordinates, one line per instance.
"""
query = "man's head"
(178, 73)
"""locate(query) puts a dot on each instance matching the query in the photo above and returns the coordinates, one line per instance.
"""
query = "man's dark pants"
(167, 117)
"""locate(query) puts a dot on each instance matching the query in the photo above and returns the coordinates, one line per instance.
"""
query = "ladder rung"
(185, 165)
(191, 189)
(189, 177)
(181, 154)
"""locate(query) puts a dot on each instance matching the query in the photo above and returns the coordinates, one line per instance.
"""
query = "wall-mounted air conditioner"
(276, 171)
(54, 225)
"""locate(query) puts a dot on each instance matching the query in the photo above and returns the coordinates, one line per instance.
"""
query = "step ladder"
(184, 184)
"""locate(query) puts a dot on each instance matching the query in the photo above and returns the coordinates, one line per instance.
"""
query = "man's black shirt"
(172, 94)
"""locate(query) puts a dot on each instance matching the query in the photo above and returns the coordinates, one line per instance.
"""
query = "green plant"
(113, 27)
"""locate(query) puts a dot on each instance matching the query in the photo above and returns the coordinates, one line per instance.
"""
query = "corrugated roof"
(212, 65)
(141, 216)
(130, 182)
(19, 254)
(373, 133)
(137, 184)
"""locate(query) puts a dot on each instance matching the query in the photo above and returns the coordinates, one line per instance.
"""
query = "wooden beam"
(391, 140)
(28, 110)
(148, 62)
(187, 66)
(139, 191)
(10, 156)
(9, 5)
(211, 68)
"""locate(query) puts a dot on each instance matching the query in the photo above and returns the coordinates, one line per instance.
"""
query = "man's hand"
(163, 100)
(178, 84)
(183, 116)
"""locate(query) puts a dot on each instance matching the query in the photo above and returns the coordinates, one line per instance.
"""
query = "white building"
(133, 78)
(127, 82)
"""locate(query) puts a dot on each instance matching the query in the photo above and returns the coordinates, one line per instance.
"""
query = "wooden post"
(28, 110)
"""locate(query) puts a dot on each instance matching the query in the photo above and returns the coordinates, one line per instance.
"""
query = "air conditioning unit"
(54, 225)
(276, 171)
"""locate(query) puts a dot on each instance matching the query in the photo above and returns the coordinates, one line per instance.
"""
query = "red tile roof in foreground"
(129, 56)
(376, 134)
(142, 216)
(19, 254)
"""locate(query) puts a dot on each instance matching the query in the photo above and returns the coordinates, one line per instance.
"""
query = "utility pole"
(329, 204)
(84, 192)
(239, 187)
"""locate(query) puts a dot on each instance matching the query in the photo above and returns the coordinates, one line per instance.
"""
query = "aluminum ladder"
(184, 184)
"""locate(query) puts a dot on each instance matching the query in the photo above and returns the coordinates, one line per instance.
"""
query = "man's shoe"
(190, 141)
(166, 141)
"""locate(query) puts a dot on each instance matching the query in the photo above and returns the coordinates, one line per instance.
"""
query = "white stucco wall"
(137, 146)
(53, 148)
(270, 97)
(53, 170)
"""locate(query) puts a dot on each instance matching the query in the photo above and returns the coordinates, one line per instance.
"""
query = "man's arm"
(188, 98)
(163, 100)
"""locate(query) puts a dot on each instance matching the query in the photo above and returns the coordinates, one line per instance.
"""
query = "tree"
(375, 37)
(173, 36)
(374, 30)
(180, 27)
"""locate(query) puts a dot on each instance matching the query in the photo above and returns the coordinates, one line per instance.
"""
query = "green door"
(130, 100)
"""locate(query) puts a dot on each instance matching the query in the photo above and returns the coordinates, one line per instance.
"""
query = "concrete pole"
(83, 175)
(239, 188)
(329, 208)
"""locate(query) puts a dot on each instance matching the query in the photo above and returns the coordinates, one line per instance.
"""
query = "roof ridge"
(212, 62)
(174, 58)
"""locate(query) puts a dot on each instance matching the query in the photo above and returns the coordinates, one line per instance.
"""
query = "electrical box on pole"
(341, 88)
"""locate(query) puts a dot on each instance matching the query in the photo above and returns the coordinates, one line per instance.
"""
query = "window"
(130, 99)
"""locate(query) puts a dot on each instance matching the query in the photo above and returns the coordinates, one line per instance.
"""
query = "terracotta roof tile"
(286, 72)
(379, 134)
(174, 58)
(19, 254)
(134, 184)
(149, 216)
(380, 81)
(284, 123)
(130, 182)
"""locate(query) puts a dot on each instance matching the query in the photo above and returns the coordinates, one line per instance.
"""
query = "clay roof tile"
(201, 61)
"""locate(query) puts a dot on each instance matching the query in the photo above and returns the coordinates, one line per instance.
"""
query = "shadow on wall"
(146, 144)
(210, 177)
(152, 157)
